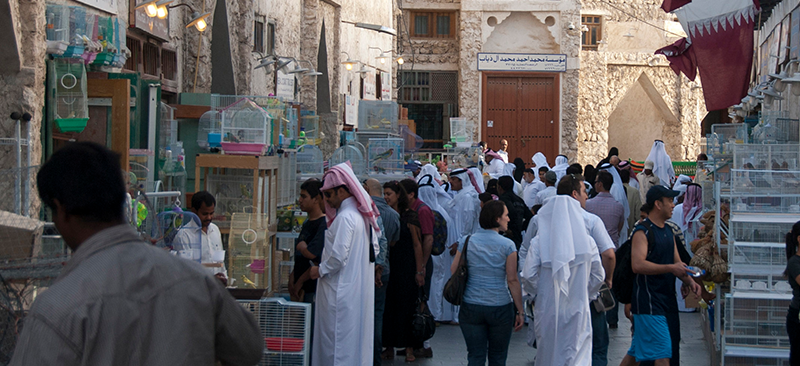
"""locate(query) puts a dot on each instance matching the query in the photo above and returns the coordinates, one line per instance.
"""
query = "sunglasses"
(327, 194)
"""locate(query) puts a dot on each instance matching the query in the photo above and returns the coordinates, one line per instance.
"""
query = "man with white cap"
(539, 161)
(647, 179)
(662, 164)
(344, 321)
(464, 207)
(494, 164)
(562, 269)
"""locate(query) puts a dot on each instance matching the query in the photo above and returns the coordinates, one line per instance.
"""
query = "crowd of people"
(543, 236)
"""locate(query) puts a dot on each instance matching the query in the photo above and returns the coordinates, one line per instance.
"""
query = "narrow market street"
(449, 348)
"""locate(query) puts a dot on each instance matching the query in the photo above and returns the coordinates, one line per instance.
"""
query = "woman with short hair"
(492, 303)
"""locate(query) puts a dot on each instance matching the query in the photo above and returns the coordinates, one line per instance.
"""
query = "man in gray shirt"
(119, 300)
(390, 233)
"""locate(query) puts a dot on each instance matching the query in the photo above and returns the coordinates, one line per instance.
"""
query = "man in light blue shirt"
(389, 222)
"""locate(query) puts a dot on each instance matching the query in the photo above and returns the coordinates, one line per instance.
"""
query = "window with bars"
(133, 62)
(592, 31)
(258, 34)
(270, 38)
(169, 64)
(433, 24)
(151, 58)
(416, 86)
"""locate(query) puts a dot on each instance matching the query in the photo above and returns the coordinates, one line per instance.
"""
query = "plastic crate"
(755, 322)
(377, 116)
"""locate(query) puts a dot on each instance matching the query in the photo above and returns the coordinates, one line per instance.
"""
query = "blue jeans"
(380, 304)
(599, 338)
(612, 316)
(487, 331)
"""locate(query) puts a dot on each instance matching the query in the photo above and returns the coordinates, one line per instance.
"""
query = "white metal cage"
(377, 116)
(245, 128)
(386, 155)
(286, 328)
(756, 322)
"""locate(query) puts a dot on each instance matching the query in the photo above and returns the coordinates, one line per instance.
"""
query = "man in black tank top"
(656, 265)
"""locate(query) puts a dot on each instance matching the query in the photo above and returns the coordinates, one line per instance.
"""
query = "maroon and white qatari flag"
(719, 45)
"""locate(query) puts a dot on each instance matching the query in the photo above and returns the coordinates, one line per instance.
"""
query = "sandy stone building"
(571, 77)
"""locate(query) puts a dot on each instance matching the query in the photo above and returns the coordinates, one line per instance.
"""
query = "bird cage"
(413, 142)
(209, 134)
(77, 32)
(70, 95)
(140, 161)
(169, 128)
(288, 128)
(309, 162)
(287, 182)
(182, 233)
(386, 156)
(233, 192)
(57, 30)
(309, 128)
(788, 130)
(377, 116)
(766, 169)
(461, 131)
(286, 328)
(352, 153)
(245, 128)
(250, 251)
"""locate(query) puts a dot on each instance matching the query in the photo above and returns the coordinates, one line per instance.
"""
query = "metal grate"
(169, 64)
(444, 86)
(133, 62)
(286, 328)
(151, 59)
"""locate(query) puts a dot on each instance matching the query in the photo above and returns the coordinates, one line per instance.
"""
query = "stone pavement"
(449, 347)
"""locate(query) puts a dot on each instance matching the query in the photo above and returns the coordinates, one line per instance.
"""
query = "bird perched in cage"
(247, 281)
(384, 155)
(232, 138)
(245, 192)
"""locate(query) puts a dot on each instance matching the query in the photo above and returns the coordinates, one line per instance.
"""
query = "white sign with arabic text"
(522, 62)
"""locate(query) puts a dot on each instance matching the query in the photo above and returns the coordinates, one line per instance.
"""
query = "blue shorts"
(651, 339)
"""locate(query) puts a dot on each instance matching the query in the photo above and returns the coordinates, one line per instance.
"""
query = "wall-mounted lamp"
(349, 63)
(155, 8)
(787, 76)
(266, 61)
(311, 71)
(159, 8)
(385, 55)
(399, 60)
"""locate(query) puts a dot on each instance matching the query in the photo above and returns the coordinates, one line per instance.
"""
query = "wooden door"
(523, 109)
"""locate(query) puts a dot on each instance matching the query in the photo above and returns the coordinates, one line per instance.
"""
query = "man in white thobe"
(464, 208)
(662, 164)
(562, 269)
(344, 321)
(441, 310)
(494, 165)
(531, 187)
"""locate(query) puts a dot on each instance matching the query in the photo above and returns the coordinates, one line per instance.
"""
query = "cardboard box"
(20, 236)
(692, 301)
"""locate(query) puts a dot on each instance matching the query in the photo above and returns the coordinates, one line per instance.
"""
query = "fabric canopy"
(719, 45)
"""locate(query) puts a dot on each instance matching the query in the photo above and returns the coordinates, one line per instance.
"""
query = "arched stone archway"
(640, 117)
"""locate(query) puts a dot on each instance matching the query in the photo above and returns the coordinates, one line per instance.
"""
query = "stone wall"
(23, 91)
(469, 81)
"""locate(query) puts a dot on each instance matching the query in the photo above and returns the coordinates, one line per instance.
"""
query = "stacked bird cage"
(309, 162)
(386, 156)
(287, 181)
(250, 251)
(245, 128)
(286, 328)
(377, 116)
(233, 191)
(70, 94)
(355, 154)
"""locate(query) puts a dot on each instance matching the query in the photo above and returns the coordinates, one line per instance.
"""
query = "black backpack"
(623, 272)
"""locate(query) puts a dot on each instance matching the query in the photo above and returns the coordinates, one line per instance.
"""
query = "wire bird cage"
(169, 129)
(182, 234)
(209, 134)
(309, 162)
(70, 94)
(245, 128)
(756, 322)
(32, 255)
(309, 126)
(386, 156)
(250, 251)
(353, 152)
(287, 182)
(377, 116)
(233, 192)
(461, 131)
(286, 328)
